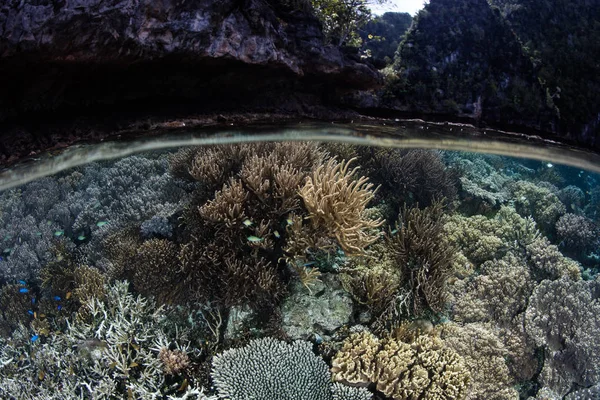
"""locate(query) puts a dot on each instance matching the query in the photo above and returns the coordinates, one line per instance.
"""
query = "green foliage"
(382, 35)
(460, 57)
(342, 18)
(564, 41)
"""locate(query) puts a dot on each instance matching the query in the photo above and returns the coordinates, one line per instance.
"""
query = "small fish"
(133, 364)
(68, 295)
(112, 365)
(318, 339)
(100, 224)
(23, 290)
(33, 300)
(59, 233)
(308, 264)
(48, 223)
(247, 222)
(56, 298)
(1, 258)
(23, 282)
(7, 250)
(59, 307)
(255, 239)
(34, 314)
(549, 165)
(183, 386)
(81, 237)
(41, 375)
(394, 231)
(38, 233)
(276, 234)
(29, 312)
(34, 338)
(289, 221)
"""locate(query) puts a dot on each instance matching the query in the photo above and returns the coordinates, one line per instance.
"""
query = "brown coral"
(424, 368)
(336, 202)
(173, 361)
(423, 255)
(484, 355)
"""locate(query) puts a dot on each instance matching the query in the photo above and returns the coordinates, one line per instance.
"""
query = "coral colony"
(302, 271)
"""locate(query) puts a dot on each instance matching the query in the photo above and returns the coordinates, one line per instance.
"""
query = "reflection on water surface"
(303, 270)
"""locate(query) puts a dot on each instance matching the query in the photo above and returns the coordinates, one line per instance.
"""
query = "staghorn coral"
(563, 317)
(89, 283)
(484, 355)
(423, 256)
(154, 269)
(576, 233)
(228, 205)
(112, 354)
(336, 203)
(424, 368)
(268, 369)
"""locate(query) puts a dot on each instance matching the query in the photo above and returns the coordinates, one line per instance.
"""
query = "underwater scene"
(302, 271)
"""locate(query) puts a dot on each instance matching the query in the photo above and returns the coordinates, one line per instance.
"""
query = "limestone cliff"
(69, 55)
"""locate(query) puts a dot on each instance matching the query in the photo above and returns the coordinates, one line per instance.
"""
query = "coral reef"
(540, 201)
(425, 368)
(321, 312)
(484, 356)
(572, 197)
(549, 263)
(423, 255)
(577, 233)
(498, 293)
(268, 369)
(413, 176)
(336, 202)
(112, 354)
(563, 317)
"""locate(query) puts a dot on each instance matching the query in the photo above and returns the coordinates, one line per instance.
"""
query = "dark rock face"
(66, 55)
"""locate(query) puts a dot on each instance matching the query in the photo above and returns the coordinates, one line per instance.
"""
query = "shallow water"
(309, 268)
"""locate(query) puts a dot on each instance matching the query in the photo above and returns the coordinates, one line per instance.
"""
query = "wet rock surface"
(69, 54)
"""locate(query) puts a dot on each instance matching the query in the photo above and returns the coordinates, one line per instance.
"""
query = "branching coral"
(577, 233)
(563, 317)
(107, 355)
(268, 369)
(414, 176)
(498, 293)
(549, 263)
(538, 201)
(423, 255)
(424, 368)
(336, 202)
